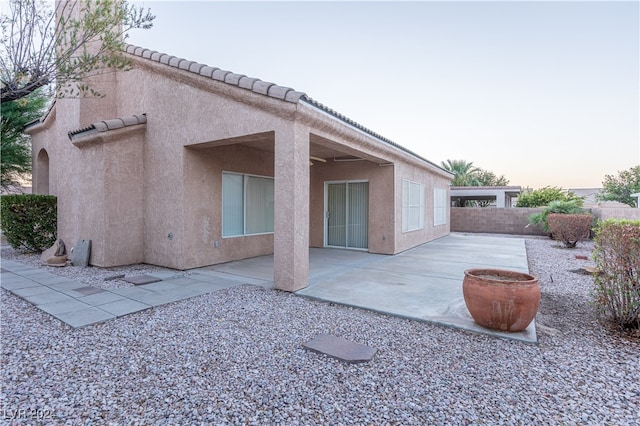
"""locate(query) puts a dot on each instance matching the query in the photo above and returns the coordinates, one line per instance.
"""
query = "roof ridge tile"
(207, 71)
(233, 78)
(106, 125)
(164, 58)
(219, 74)
(175, 61)
(240, 80)
(195, 67)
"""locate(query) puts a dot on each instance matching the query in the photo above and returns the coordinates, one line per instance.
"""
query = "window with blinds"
(439, 206)
(412, 206)
(247, 204)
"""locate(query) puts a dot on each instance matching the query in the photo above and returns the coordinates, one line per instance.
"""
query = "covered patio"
(423, 283)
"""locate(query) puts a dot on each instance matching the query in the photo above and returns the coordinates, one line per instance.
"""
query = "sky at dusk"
(545, 93)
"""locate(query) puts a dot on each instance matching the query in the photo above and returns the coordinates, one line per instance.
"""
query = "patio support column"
(291, 192)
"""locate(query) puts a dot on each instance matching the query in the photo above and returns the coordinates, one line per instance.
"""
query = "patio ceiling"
(319, 147)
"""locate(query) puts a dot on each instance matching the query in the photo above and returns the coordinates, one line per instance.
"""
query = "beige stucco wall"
(414, 173)
(99, 187)
(381, 235)
(203, 196)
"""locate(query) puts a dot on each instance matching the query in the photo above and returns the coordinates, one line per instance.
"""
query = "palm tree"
(465, 173)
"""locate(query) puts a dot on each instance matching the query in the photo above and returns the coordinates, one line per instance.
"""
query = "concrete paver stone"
(340, 348)
(141, 279)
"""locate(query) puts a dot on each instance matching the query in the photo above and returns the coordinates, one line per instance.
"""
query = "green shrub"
(29, 221)
(617, 285)
(544, 196)
(569, 228)
(559, 206)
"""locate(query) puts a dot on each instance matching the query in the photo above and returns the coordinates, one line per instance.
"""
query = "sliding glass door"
(347, 214)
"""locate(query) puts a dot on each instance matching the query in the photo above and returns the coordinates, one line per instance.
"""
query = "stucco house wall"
(413, 173)
(147, 186)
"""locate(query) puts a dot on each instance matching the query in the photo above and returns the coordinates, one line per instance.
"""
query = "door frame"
(325, 220)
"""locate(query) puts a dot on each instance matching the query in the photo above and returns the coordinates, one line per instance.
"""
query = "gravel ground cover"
(235, 357)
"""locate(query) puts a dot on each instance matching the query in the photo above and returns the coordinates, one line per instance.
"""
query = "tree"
(15, 151)
(65, 46)
(545, 196)
(619, 188)
(465, 173)
(488, 178)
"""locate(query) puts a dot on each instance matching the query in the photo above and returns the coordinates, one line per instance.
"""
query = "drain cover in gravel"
(340, 348)
(88, 291)
(142, 279)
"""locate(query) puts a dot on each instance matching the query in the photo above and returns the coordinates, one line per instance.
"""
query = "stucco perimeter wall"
(494, 220)
(616, 213)
(430, 180)
(515, 220)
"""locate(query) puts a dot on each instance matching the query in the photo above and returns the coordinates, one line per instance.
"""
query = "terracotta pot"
(501, 300)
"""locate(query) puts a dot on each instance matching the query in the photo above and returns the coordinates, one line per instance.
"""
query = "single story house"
(185, 165)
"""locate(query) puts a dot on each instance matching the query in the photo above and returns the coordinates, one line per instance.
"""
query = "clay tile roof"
(278, 91)
(261, 87)
(106, 125)
(195, 67)
(228, 77)
(233, 78)
(100, 126)
(247, 82)
(185, 65)
(207, 71)
(219, 74)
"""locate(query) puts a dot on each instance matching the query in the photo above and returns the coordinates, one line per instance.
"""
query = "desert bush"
(569, 228)
(29, 222)
(558, 206)
(617, 284)
(545, 196)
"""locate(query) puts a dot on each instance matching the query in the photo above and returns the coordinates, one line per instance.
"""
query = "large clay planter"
(501, 300)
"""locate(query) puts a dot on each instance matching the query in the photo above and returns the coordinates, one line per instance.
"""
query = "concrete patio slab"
(68, 288)
(209, 273)
(84, 317)
(425, 283)
(101, 298)
(141, 279)
(10, 281)
(124, 307)
(88, 290)
(30, 291)
(80, 305)
(63, 306)
(163, 275)
(134, 293)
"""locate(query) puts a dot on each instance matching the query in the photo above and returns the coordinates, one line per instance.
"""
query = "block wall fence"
(493, 220)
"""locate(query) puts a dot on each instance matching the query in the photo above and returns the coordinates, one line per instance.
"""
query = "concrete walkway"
(424, 283)
(79, 305)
